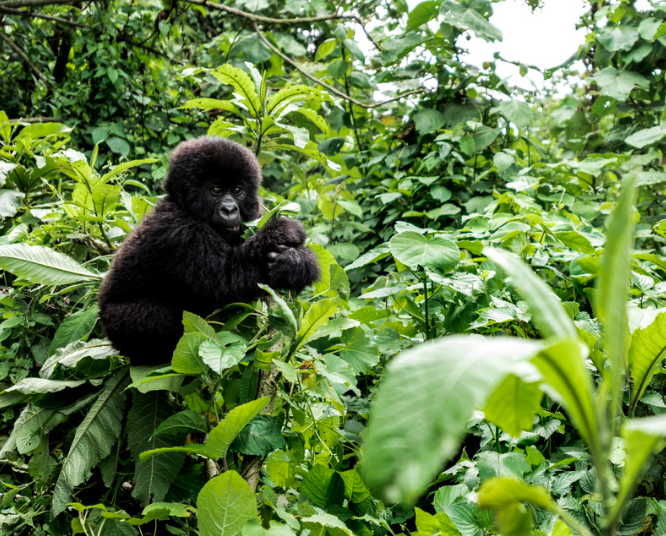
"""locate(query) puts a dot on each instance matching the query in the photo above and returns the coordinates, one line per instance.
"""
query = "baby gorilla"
(188, 255)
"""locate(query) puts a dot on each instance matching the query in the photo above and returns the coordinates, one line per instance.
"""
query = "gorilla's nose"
(229, 208)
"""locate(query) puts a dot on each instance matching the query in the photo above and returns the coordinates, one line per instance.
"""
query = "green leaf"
(359, 351)
(92, 441)
(193, 323)
(440, 524)
(518, 112)
(293, 94)
(645, 137)
(355, 489)
(212, 104)
(243, 86)
(513, 404)
(613, 286)
(221, 437)
(323, 486)
(467, 18)
(643, 439)
(428, 120)
(380, 252)
(315, 317)
(563, 368)
(118, 145)
(281, 468)
(421, 14)
(254, 528)
(42, 265)
(186, 357)
(260, 437)
(125, 166)
(28, 427)
(73, 353)
(224, 505)
(646, 352)
(326, 48)
(414, 250)
(40, 386)
(284, 308)
(619, 84)
(152, 477)
(546, 309)
(618, 38)
(423, 405)
(75, 327)
(503, 494)
(220, 356)
(183, 422)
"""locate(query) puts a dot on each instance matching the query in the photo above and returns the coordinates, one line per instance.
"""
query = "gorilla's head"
(215, 180)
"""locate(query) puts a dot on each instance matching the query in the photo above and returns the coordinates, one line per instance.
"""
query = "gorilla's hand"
(292, 268)
(282, 232)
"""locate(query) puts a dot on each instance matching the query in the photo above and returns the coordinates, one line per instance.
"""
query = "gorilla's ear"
(260, 209)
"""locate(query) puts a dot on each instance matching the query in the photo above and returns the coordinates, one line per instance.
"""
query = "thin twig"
(147, 48)
(34, 120)
(316, 80)
(25, 13)
(25, 58)
(36, 3)
(271, 20)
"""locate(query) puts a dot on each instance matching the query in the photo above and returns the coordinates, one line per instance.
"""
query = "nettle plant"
(430, 392)
(274, 124)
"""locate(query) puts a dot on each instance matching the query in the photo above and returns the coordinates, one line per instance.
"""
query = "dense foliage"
(484, 353)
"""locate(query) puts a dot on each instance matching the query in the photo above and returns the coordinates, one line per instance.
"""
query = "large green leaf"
(465, 17)
(152, 477)
(619, 84)
(224, 505)
(243, 86)
(73, 353)
(546, 309)
(613, 288)
(42, 265)
(429, 120)
(505, 495)
(518, 112)
(413, 249)
(513, 404)
(92, 441)
(428, 395)
(220, 437)
(315, 317)
(643, 439)
(422, 13)
(647, 351)
(646, 136)
(563, 367)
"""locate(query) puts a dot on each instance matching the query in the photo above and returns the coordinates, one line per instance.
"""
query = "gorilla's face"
(227, 203)
(216, 181)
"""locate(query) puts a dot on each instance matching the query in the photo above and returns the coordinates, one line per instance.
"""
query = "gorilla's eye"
(215, 190)
(236, 190)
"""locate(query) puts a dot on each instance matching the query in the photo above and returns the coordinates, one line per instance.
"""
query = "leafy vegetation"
(484, 352)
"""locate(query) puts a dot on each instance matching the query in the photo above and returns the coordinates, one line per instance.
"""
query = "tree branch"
(122, 38)
(33, 120)
(25, 13)
(36, 3)
(316, 80)
(270, 20)
(25, 58)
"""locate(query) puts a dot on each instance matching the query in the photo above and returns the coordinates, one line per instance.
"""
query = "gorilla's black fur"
(187, 254)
